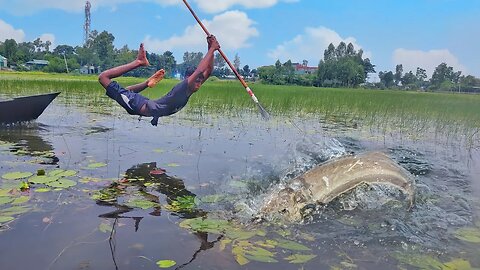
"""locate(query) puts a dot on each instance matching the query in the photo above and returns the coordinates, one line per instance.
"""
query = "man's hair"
(189, 71)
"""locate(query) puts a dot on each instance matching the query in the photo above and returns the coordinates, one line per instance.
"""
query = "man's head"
(198, 81)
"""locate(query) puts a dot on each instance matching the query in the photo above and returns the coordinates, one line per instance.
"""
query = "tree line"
(341, 66)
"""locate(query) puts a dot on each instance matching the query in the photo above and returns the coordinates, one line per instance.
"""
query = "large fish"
(327, 181)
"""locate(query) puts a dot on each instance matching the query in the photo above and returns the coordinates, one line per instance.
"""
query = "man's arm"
(206, 64)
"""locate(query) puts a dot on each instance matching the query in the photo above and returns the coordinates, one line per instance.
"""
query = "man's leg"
(137, 88)
(150, 82)
(106, 77)
(156, 78)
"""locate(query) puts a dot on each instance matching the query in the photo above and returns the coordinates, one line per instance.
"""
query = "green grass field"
(230, 97)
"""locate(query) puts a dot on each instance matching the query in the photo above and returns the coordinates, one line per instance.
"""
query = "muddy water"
(137, 185)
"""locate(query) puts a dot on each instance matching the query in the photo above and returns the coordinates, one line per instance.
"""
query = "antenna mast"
(86, 27)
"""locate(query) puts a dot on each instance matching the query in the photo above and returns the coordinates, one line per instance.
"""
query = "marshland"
(87, 186)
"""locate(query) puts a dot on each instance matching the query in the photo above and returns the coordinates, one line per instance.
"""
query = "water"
(121, 216)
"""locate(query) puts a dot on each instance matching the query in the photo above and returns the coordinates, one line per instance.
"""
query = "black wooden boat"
(24, 108)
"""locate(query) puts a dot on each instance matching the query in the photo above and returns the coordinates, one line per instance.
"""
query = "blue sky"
(415, 33)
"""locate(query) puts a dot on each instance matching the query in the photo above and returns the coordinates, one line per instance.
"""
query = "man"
(136, 104)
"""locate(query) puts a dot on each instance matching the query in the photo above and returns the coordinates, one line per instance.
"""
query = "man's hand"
(213, 43)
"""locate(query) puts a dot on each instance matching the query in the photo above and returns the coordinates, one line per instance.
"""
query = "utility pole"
(86, 26)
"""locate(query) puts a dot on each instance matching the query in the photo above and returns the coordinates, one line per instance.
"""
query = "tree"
(246, 71)
(329, 53)
(10, 49)
(409, 80)
(343, 66)
(341, 50)
(387, 78)
(236, 62)
(443, 73)
(168, 62)
(218, 61)
(66, 50)
(421, 74)
(102, 45)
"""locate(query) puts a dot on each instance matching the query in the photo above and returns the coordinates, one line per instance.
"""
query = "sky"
(414, 33)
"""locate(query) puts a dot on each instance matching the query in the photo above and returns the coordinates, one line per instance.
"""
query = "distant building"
(89, 70)
(3, 62)
(301, 69)
(36, 64)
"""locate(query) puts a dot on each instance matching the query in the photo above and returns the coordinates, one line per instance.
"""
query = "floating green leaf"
(265, 259)
(173, 165)
(299, 258)
(158, 150)
(42, 190)
(62, 183)
(4, 219)
(217, 226)
(457, 264)
(105, 227)
(5, 200)
(62, 173)
(237, 234)
(290, 245)
(182, 203)
(419, 261)
(471, 235)
(14, 210)
(5, 192)
(42, 179)
(213, 198)
(166, 263)
(20, 200)
(16, 175)
(96, 165)
(143, 204)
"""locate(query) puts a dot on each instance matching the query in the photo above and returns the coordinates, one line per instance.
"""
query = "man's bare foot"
(156, 78)
(142, 56)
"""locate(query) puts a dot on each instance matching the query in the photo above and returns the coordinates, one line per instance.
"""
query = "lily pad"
(5, 200)
(144, 204)
(299, 258)
(42, 190)
(21, 200)
(42, 179)
(166, 263)
(4, 219)
(290, 245)
(62, 183)
(96, 165)
(173, 165)
(14, 210)
(471, 235)
(105, 227)
(16, 175)
(213, 198)
(62, 173)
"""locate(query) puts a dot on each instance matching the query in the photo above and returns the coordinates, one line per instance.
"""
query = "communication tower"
(86, 27)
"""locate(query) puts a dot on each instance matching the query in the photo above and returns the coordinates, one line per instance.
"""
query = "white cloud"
(428, 60)
(214, 6)
(24, 7)
(9, 32)
(233, 30)
(48, 37)
(310, 46)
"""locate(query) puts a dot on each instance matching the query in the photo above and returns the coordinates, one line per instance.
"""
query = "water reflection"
(149, 182)
(27, 140)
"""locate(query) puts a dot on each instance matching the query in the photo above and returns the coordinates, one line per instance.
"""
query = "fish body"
(325, 182)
